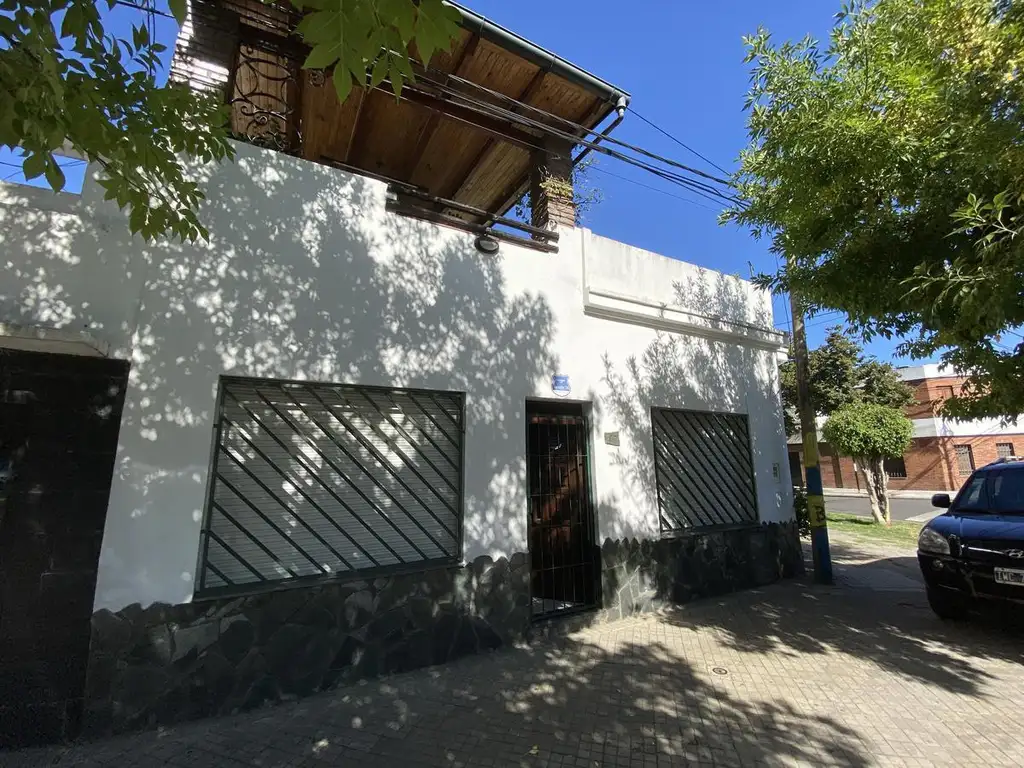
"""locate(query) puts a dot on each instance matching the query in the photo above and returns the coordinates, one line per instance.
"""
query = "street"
(902, 508)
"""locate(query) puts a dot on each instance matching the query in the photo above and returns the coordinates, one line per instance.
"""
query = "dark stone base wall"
(165, 664)
(639, 576)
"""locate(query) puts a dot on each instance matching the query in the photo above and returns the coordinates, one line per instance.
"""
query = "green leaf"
(322, 56)
(342, 84)
(137, 217)
(179, 9)
(54, 175)
(34, 165)
(140, 36)
(380, 71)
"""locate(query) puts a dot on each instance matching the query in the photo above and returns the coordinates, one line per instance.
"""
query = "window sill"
(340, 579)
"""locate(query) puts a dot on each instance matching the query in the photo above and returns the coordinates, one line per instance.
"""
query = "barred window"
(1004, 450)
(703, 469)
(964, 459)
(321, 480)
(895, 467)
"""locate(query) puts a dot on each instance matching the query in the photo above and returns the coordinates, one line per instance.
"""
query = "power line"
(654, 189)
(789, 318)
(680, 142)
(835, 316)
(145, 9)
(71, 161)
(573, 125)
(493, 110)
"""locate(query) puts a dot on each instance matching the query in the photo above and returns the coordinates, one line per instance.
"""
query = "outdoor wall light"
(486, 244)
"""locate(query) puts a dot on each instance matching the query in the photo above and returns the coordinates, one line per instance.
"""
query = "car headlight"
(932, 541)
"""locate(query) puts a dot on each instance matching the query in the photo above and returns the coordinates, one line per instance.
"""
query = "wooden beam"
(509, 198)
(527, 94)
(428, 131)
(503, 130)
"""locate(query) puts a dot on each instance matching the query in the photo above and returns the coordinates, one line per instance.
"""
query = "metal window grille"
(703, 467)
(895, 467)
(1004, 450)
(317, 480)
(964, 459)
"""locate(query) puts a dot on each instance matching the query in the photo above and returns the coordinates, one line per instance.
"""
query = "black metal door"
(59, 419)
(562, 532)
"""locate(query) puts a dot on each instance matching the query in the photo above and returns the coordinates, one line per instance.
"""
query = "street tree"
(840, 375)
(870, 433)
(887, 169)
(68, 84)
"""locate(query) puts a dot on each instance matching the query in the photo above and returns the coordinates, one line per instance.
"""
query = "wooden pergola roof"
(428, 138)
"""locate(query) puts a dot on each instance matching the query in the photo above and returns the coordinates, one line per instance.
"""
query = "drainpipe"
(620, 113)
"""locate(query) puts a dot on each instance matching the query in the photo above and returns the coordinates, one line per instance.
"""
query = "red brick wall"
(931, 463)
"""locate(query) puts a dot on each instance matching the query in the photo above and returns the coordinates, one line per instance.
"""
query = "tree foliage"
(870, 433)
(840, 375)
(68, 84)
(888, 169)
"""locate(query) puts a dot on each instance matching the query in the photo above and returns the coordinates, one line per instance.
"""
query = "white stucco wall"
(306, 276)
(939, 427)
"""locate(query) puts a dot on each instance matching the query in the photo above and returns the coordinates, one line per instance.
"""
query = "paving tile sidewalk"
(793, 674)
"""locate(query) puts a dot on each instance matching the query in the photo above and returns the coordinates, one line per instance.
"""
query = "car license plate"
(1009, 576)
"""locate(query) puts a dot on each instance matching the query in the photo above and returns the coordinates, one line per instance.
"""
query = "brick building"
(943, 452)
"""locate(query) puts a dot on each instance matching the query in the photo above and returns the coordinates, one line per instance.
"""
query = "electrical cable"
(145, 9)
(522, 119)
(835, 318)
(653, 189)
(680, 142)
(789, 316)
(492, 110)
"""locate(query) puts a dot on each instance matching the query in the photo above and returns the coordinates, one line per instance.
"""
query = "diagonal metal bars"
(321, 479)
(703, 468)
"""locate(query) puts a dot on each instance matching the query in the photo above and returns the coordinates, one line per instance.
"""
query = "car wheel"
(947, 605)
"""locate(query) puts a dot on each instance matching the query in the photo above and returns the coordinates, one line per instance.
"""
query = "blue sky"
(682, 61)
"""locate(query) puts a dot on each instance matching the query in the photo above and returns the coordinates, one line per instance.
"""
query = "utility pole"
(809, 432)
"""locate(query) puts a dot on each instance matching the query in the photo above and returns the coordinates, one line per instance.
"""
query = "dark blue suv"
(974, 553)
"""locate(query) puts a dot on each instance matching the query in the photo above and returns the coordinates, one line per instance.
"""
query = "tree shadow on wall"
(304, 276)
(694, 373)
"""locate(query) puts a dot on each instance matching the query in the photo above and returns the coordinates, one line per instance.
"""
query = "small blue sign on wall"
(560, 385)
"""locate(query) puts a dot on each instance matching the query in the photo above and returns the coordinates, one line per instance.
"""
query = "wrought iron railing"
(244, 50)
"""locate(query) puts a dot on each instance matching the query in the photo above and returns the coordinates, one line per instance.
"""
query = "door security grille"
(324, 479)
(704, 472)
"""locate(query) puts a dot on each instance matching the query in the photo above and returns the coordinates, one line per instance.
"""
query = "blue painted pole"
(808, 428)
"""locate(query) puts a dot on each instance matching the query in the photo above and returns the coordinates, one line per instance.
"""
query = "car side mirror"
(941, 500)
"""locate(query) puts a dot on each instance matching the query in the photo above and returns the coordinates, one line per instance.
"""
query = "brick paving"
(858, 674)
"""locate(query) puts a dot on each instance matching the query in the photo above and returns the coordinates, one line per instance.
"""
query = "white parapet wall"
(307, 276)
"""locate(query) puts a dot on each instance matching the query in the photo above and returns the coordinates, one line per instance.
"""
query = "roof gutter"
(543, 58)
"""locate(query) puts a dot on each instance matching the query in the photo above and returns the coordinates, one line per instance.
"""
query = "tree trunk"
(874, 482)
(883, 497)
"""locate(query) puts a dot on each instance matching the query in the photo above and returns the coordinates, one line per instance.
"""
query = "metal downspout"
(620, 113)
